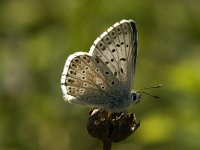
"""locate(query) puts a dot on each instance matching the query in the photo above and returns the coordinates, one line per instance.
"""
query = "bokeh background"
(37, 36)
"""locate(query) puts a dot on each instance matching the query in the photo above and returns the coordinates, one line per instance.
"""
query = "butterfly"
(103, 78)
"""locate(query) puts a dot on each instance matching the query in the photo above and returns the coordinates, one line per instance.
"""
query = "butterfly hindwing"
(86, 79)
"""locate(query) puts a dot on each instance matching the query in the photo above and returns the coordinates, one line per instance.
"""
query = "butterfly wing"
(102, 78)
(117, 48)
(86, 80)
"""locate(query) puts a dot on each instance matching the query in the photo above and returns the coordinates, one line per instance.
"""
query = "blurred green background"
(37, 36)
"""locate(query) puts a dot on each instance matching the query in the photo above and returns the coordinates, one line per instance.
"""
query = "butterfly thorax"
(119, 100)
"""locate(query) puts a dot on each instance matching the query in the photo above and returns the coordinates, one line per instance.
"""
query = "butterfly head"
(135, 96)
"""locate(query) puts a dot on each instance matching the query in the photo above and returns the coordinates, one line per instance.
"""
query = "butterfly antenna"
(157, 86)
(149, 94)
(151, 87)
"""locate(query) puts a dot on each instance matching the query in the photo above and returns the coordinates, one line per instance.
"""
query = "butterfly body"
(103, 78)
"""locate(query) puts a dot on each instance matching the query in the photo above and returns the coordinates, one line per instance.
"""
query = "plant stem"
(107, 145)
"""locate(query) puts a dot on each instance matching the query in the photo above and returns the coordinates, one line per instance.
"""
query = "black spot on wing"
(123, 59)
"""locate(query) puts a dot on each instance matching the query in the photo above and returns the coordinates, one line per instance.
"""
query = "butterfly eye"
(135, 97)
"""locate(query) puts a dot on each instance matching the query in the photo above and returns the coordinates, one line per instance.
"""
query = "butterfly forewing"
(117, 49)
